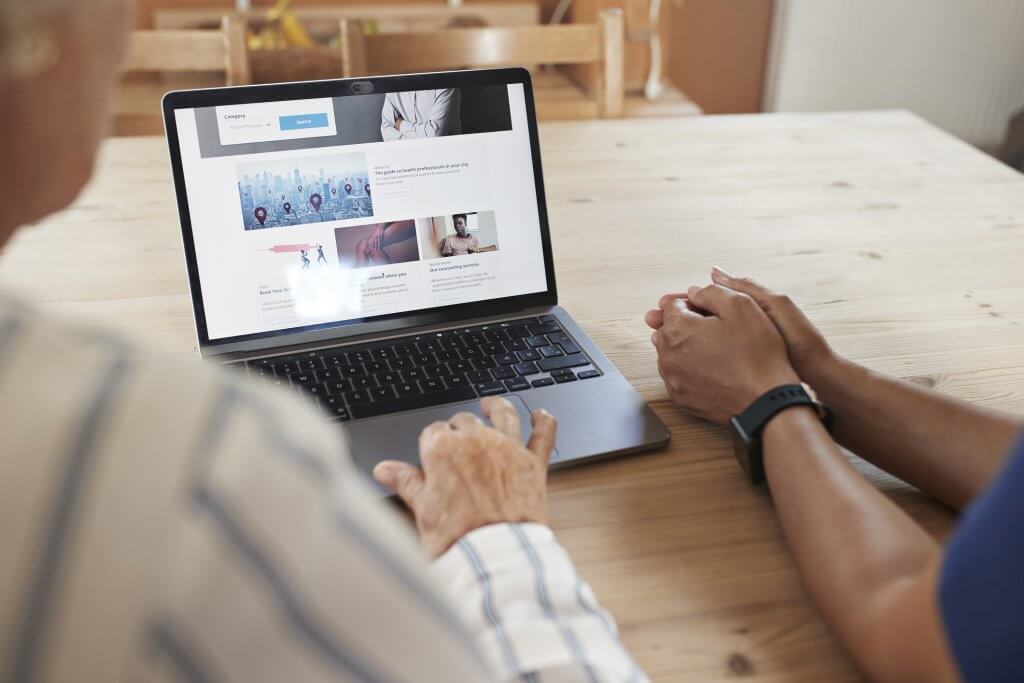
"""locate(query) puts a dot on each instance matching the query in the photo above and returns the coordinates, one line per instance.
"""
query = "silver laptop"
(381, 247)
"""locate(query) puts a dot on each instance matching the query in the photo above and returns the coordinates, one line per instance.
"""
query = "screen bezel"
(213, 97)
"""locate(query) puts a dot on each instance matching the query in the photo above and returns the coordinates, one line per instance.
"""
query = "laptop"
(381, 247)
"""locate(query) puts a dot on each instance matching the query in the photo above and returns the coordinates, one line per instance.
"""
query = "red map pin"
(287, 207)
(348, 188)
(334, 190)
(315, 200)
(261, 214)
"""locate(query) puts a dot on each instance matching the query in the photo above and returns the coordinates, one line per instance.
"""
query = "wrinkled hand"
(717, 351)
(375, 240)
(474, 475)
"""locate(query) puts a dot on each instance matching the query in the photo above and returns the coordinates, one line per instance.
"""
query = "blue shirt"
(981, 589)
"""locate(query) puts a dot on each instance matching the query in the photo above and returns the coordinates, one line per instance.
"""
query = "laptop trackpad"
(396, 437)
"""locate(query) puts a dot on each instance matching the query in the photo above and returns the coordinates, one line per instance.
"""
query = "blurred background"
(957, 63)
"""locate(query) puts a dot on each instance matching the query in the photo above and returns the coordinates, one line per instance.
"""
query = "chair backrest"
(599, 45)
(197, 51)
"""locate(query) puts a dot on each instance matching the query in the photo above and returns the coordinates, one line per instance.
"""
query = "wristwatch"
(748, 425)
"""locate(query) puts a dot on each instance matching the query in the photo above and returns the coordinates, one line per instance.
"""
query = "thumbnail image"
(377, 244)
(275, 194)
(303, 255)
(457, 234)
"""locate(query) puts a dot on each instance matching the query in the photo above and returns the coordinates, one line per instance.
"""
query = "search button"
(304, 122)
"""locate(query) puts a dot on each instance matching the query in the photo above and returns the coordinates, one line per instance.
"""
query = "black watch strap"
(771, 403)
(748, 425)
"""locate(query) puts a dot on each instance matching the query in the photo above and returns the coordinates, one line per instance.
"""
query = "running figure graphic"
(320, 254)
(305, 259)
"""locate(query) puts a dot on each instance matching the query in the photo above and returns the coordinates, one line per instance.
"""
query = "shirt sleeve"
(388, 113)
(446, 247)
(981, 595)
(282, 565)
(436, 123)
(530, 613)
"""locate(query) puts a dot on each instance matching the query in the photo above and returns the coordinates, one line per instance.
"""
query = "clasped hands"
(719, 348)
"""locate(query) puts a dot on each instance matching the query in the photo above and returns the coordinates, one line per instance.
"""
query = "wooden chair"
(187, 58)
(598, 47)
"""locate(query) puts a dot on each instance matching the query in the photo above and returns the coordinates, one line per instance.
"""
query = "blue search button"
(304, 121)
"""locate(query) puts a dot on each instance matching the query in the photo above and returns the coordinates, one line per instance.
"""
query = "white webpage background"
(231, 269)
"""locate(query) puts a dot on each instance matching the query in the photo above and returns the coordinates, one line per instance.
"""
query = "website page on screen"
(310, 212)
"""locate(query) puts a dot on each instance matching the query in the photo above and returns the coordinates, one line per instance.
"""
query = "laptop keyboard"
(420, 371)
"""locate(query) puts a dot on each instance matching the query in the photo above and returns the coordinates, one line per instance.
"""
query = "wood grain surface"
(901, 242)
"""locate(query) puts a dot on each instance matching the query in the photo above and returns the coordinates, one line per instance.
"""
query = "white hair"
(25, 41)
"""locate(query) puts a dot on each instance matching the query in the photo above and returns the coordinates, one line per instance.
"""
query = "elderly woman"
(160, 520)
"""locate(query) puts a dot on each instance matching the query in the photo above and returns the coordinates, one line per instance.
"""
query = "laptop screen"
(320, 212)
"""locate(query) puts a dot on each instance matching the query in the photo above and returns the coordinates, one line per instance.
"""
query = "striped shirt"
(161, 520)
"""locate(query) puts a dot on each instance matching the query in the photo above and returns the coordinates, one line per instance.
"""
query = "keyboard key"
(518, 332)
(478, 376)
(388, 378)
(403, 349)
(363, 410)
(429, 385)
(517, 384)
(461, 366)
(496, 336)
(528, 354)
(483, 363)
(360, 357)
(350, 370)
(304, 378)
(333, 360)
(456, 381)
(587, 374)
(328, 375)
(527, 368)
(413, 374)
(515, 345)
(375, 367)
(452, 343)
(503, 372)
(571, 360)
(429, 346)
(474, 339)
(551, 351)
(548, 319)
(364, 382)
(490, 388)
(545, 328)
(407, 389)
(423, 358)
(492, 349)
(569, 376)
(335, 408)
(282, 368)
(356, 397)
(439, 370)
(383, 353)
(563, 340)
(400, 363)
(310, 364)
(543, 382)
(445, 356)
(382, 393)
(338, 387)
(536, 340)
(506, 359)
(472, 352)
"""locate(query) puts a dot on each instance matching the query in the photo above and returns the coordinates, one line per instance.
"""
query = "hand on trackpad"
(397, 436)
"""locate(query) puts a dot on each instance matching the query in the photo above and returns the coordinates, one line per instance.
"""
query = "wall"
(718, 51)
(958, 63)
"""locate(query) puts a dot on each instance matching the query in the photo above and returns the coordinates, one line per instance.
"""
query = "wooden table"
(902, 243)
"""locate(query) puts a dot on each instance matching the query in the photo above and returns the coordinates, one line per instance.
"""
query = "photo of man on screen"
(461, 243)
(421, 114)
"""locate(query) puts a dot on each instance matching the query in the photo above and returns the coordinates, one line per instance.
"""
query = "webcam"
(362, 87)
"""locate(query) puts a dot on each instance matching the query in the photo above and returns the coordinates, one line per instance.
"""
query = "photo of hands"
(376, 244)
